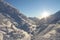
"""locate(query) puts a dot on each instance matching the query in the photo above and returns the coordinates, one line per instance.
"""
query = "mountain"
(13, 24)
(52, 19)
(49, 28)
(52, 32)
(35, 19)
(8, 31)
(16, 26)
(17, 18)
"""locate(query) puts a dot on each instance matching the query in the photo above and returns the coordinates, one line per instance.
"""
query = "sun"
(45, 14)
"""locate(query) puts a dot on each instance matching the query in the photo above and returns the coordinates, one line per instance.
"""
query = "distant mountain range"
(35, 19)
(16, 26)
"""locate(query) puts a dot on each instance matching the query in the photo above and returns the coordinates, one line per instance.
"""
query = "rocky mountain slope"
(16, 26)
(49, 28)
(17, 18)
(13, 24)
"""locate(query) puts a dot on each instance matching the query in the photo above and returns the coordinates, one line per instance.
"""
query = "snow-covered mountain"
(13, 24)
(49, 28)
(16, 26)
(17, 18)
(35, 19)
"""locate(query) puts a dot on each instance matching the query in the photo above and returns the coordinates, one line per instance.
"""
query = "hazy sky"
(35, 7)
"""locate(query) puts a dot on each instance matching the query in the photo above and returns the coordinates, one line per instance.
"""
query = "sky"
(34, 8)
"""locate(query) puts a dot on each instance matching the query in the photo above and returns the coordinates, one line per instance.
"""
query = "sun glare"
(44, 14)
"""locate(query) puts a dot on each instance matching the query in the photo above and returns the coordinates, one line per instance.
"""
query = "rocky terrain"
(16, 26)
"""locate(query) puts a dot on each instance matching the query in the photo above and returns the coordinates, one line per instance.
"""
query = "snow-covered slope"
(49, 28)
(16, 26)
(35, 19)
(8, 31)
(13, 24)
(17, 18)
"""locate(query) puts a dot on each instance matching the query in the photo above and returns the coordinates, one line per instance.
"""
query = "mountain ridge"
(16, 26)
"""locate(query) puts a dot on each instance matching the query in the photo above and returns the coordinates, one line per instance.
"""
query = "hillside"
(14, 25)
